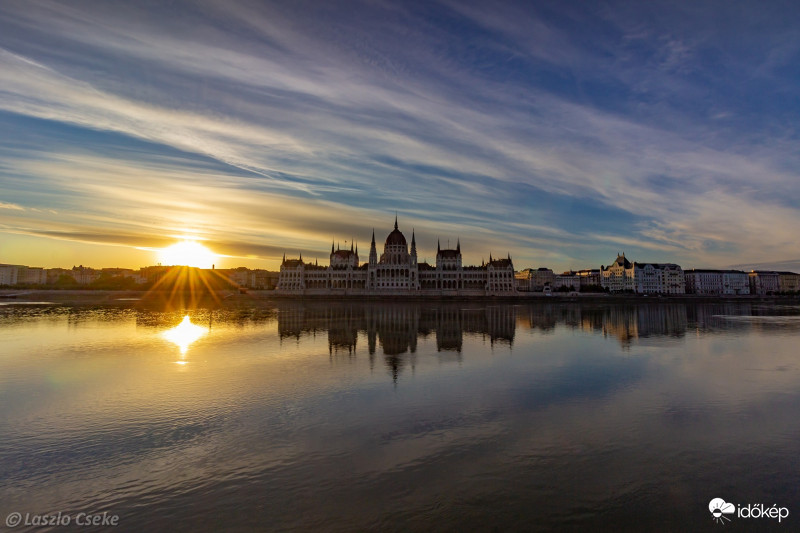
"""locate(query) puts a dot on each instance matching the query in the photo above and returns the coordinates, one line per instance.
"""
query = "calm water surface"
(401, 417)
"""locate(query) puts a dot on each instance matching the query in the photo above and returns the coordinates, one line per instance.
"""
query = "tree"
(65, 281)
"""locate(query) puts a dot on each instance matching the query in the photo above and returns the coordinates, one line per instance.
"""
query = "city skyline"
(560, 135)
(193, 253)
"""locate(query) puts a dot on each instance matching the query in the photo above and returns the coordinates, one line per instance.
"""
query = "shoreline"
(111, 297)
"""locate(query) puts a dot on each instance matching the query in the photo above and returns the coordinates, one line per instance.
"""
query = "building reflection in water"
(393, 329)
(625, 322)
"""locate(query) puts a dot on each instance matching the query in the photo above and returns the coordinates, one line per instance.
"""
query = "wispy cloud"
(553, 133)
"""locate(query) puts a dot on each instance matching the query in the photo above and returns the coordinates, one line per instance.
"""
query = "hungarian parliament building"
(396, 273)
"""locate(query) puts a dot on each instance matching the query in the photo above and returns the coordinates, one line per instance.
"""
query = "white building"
(789, 281)
(716, 282)
(33, 276)
(658, 278)
(238, 276)
(263, 279)
(618, 276)
(764, 282)
(590, 277)
(535, 279)
(9, 274)
(84, 275)
(522, 279)
(22, 275)
(642, 278)
(569, 281)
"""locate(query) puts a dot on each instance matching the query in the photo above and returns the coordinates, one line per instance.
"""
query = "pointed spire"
(490, 257)
(301, 257)
(284, 257)
(337, 246)
(356, 248)
(395, 220)
(351, 245)
(438, 246)
(373, 253)
(458, 245)
(331, 246)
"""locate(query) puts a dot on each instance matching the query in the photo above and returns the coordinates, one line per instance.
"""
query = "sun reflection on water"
(184, 334)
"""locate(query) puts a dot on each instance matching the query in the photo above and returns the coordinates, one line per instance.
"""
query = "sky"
(560, 133)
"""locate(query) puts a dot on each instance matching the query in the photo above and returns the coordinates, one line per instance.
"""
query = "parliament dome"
(396, 237)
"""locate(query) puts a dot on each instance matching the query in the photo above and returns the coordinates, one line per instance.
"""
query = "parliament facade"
(396, 273)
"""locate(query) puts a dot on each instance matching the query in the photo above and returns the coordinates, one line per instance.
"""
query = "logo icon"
(719, 509)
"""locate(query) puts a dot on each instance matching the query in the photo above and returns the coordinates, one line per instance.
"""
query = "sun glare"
(187, 253)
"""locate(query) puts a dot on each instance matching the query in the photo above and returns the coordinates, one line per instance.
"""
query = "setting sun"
(187, 253)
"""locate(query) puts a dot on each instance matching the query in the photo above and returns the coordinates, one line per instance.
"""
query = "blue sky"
(559, 132)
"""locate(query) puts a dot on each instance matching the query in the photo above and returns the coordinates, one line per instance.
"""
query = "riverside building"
(716, 282)
(642, 278)
(397, 272)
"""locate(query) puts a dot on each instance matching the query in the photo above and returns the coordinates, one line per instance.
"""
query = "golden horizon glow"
(184, 334)
(187, 253)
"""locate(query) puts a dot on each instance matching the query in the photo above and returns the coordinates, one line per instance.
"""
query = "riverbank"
(102, 297)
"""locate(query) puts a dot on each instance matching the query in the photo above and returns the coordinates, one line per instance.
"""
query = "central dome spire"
(396, 237)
